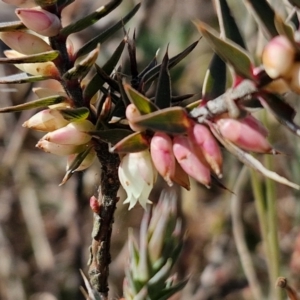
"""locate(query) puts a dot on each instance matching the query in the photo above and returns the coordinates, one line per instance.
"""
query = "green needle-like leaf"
(142, 103)
(228, 25)
(75, 114)
(33, 58)
(163, 91)
(22, 78)
(264, 15)
(89, 46)
(153, 73)
(173, 120)
(215, 79)
(11, 26)
(93, 86)
(90, 19)
(43, 102)
(228, 51)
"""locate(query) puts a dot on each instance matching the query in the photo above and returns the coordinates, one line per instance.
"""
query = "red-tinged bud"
(86, 163)
(244, 135)
(256, 125)
(24, 42)
(94, 204)
(59, 149)
(45, 68)
(204, 140)
(21, 3)
(131, 114)
(189, 160)
(278, 57)
(39, 20)
(74, 133)
(161, 150)
(46, 120)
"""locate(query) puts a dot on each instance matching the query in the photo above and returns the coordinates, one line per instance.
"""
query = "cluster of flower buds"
(281, 63)
(196, 154)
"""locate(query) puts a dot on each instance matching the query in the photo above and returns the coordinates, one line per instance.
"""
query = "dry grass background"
(45, 229)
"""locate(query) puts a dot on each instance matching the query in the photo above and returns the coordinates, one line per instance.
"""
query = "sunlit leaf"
(142, 103)
(136, 142)
(43, 102)
(173, 120)
(91, 18)
(230, 52)
(75, 114)
(33, 58)
(22, 78)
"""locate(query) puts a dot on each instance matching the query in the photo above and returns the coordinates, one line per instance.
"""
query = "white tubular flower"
(137, 176)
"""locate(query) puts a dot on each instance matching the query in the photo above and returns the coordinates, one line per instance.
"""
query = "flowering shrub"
(134, 135)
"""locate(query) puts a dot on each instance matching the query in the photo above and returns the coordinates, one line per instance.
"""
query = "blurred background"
(45, 230)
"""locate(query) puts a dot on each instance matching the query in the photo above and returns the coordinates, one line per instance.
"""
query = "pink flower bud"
(21, 3)
(278, 57)
(161, 150)
(189, 160)
(131, 113)
(86, 163)
(94, 204)
(245, 134)
(74, 133)
(24, 42)
(45, 68)
(204, 140)
(39, 20)
(46, 120)
(59, 149)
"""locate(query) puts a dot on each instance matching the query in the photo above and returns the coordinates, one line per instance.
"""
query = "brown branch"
(104, 218)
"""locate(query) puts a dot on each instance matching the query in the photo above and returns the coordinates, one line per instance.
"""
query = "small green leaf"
(75, 164)
(33, 58)
(166, 294)
(173, 120)
(228, 25)
(228, 51)
(153, 73)
(90, 19)
(264, 15)
(102, 37)
(75, 114)
(106, 78)
(12, 26)
(81, 69)
(136, 142)
(163, 91)
(112, 136)
(93, 86)
(22, 78)
(124, 97)
(282, 111)
(43, 102)
(215, 79)
(142, 103)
